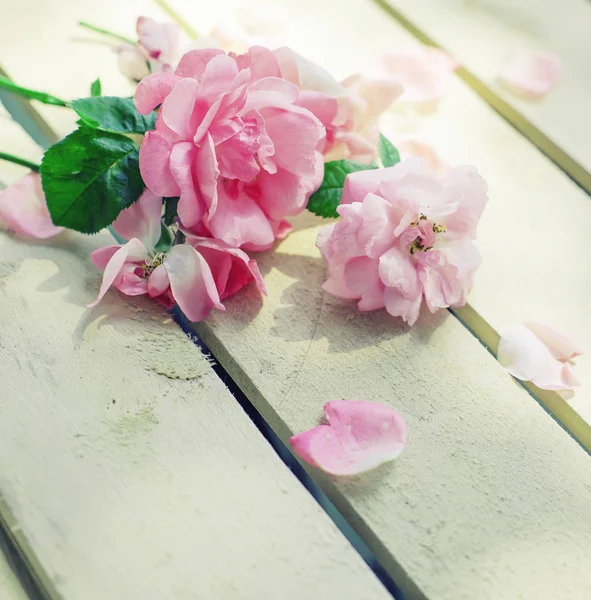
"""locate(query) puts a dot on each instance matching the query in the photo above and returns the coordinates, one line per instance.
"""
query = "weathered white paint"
(10, 588)
(481, 33)
(127, 468)
(491, 499)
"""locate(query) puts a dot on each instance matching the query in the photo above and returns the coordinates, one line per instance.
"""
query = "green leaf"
(165, 241)
(389, 155)
(96, 88)
(89, 178)
(170, 209)
(111, 113)
(324, 201)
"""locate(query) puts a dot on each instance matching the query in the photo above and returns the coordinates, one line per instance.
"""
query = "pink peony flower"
(424, 72)
(359, 436)
(197, 275)
(540, 354)
(233, 143)
(157, 50)
(530, 74)
(23, 209)
(405, 234)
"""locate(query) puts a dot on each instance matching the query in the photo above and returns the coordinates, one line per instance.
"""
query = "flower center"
(150, 265)
(427, 234)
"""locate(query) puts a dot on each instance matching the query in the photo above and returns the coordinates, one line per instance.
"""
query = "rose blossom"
(405, 234)
(196, 275)
(157, 49)
(234, 145)
(349, 110)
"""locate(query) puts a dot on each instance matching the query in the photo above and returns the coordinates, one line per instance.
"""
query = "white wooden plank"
(491, 499)
(481, 33)
(127, 470)
(10, 588)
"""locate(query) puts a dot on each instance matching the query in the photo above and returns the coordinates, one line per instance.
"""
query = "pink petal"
(240, 270)
(182, 161)
(424, 72)
(295, 137)
(23, 209)
(239, 220)
(141, 220)
(219, 74)
(161, 40)
(284, 193)
(561, 346)
(362, 279)
(194, 62)
(133, 252)
(158, 282)
(360, 436)
(178, 109)
(415, 147)
(191, 282)
(155, 165)
(152, 90)
(530, 73)
(526, 357)
(207, 172)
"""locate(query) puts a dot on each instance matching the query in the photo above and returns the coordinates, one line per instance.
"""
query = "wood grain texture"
(127, 465)
(127, 470)
(481, 33)
(489, 500)
(10, 588)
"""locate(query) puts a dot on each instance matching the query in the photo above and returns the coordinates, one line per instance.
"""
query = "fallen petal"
(530, 73)
(23, 209)
(359, 436)
(561, 346)
(526, 357)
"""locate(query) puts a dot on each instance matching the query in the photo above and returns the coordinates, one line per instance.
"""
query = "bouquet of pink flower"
(230, 146)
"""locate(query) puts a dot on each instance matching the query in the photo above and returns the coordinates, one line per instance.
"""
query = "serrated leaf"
(111, 113)
(170, 209)
(389, 155)
(324, 201)
(89, 178)
(96, 88)
(165, 241)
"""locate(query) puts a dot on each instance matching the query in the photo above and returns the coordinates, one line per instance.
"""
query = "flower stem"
(7, 84)
(108, 33)
(176, 17)
(19, 161)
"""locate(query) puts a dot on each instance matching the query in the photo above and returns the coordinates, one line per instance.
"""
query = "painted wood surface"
(491, 498)
(482, 33)
(10, 588)
(127, 470)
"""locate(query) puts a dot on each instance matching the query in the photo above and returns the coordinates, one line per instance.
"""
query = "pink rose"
(196, 275)
(157, 50)
(23, 209)
(349, 110)
(235, 147)
(405, 234)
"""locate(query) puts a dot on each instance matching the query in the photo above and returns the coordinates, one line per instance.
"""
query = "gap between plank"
(289, 460)
(540, 140)
(22, 560)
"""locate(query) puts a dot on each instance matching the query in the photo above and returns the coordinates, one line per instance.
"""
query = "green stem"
(108, 33)
(19, 161)
(7, 84)
(176, 17)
